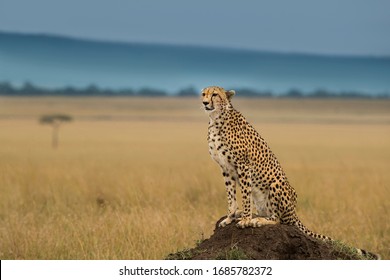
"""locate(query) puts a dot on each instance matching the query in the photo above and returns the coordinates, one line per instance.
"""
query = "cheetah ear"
(229, 94)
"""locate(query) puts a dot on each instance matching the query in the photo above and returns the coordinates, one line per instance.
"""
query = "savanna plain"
(131, 178)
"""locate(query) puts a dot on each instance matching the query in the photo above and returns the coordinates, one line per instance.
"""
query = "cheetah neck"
(220, 112)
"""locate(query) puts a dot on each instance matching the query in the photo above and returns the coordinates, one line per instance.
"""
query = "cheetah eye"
(203, 94)
(214, 95)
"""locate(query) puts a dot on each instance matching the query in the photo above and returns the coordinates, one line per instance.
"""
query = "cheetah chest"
(218, 149)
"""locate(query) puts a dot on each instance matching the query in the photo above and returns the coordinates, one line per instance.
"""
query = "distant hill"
(52, 61)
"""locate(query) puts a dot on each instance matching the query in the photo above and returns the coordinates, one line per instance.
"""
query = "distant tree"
(247, 92)
(383, 95)
(30, 89)
(353, 94)
(68, 90)
(6, 88)
(55, 121)
(91, 90)
(149, 92)
(294, 93)
(123, 92)
(190, 91)
(321, 93)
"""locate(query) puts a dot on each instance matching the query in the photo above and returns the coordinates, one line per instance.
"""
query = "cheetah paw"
(244, 222)
(225, 222)
(259, 221)
(230, 218)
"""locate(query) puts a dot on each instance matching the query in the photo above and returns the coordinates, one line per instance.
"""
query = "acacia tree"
(55, 121)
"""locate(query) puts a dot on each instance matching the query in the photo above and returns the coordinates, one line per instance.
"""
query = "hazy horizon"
(60, 61)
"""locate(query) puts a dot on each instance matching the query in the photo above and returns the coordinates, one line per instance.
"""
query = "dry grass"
(132, 178)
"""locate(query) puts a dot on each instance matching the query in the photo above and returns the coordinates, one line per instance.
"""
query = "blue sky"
(342, 27)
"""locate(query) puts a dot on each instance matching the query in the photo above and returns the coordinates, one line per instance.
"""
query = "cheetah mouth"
(209, 108)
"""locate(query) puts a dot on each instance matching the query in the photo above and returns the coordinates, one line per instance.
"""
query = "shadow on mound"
(269, 242)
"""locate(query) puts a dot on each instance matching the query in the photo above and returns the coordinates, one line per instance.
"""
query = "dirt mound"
(273, 242)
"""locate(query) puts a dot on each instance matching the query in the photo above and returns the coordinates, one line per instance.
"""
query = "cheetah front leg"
(231, 179)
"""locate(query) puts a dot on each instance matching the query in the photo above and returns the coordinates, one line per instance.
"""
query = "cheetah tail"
(363, 253)
(310, 233)
(368, 255)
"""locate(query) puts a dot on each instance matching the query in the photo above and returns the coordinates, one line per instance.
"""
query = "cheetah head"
(216, 98)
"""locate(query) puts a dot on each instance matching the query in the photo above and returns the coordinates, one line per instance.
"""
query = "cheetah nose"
(206, 103)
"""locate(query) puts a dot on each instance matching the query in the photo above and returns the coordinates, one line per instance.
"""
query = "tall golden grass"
(132, 178)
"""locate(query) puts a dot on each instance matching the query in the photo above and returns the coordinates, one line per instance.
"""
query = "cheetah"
(247, 162)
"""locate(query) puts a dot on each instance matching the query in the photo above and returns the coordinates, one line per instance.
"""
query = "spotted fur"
(247, 162)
